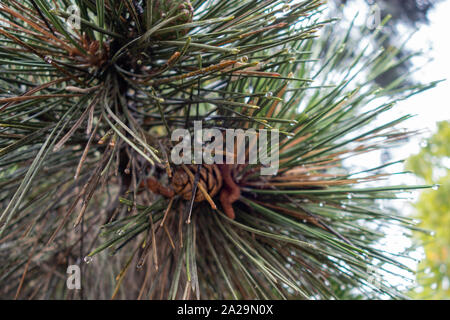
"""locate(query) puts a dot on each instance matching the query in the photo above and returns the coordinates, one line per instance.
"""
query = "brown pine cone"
(210, 179)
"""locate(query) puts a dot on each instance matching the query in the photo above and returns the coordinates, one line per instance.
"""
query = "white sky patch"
(429, 107)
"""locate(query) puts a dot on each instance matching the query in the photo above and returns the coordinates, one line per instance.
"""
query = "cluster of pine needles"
(86, 117)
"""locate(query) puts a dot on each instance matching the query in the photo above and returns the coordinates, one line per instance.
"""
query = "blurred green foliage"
(433, 208)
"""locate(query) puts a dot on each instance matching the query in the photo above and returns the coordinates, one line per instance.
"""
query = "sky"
(433, 39)
(429, 107)
(433, 105)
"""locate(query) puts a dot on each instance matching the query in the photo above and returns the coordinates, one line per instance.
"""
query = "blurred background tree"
(432, 164)
(409, 14)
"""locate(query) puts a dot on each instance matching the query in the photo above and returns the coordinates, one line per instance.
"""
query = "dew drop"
(120, 232)
(48, 59)
(269, 94)
(244, 59)
(445, 283)
(423, 144)
(291, 59)
(377, 91)
(349, 196)
(321, 204)
(435, 187)
(88, 259)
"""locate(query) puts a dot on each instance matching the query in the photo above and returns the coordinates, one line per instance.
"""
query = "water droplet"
(344, 206)
(88, 259)
(343, 287)
(349, 196)
(48, 59)
(423, 143)
(292, 59)
(341, 48)
(445, 284)
(377, 91)
(269, 94)
(304, 221)
(120, 232)
(432, 233)
(321, 204)
(435, 187)
(244, 59)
